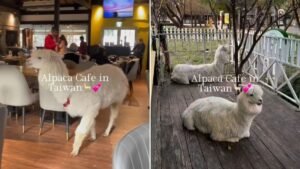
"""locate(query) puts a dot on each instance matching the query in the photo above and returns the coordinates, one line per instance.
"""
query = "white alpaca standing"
(184, 73)
(86, 103)
(222, 119)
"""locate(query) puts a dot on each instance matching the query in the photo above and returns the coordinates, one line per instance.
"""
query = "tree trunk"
(215, 21)
(236, 65)
(164, 47)
(289, 23)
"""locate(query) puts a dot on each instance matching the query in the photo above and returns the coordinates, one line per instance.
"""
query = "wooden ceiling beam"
(42, 3)
(84, 3)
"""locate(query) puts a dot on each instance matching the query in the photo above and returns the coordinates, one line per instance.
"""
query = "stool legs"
(43, 112)
(53, 119)
(42, 121)
(67, 126)
(23, 119)
(16, 110)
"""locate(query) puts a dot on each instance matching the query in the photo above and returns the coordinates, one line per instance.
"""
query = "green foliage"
(217, 5)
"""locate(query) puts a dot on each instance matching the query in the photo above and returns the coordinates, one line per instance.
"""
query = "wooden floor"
(274, 141)
(52, 151)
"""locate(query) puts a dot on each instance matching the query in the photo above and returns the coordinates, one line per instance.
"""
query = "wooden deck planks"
(182, 153)
(155, 131)
(167, 137)
(274, 141)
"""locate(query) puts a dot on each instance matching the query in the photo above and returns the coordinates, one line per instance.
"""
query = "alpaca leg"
(233, 139)
(185, 80)
(246, 134)
(180, 78)
(114, 111)
(81, 132)
(216, 137)
(93, 131)
(220, 137)
(188, 121)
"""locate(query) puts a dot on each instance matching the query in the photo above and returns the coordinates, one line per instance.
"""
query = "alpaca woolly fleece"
(222, 119)
(184, 73)
(84, 103)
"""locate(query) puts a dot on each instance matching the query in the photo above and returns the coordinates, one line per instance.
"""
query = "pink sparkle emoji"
(96, 87)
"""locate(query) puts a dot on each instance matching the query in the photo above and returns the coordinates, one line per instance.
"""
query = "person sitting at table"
(83, 46)
(51, 40)
(63, 43)
(71, 54)
(138, 51)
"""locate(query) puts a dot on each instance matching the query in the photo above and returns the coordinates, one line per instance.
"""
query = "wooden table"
(27, 71)
(13, 59)
(32, 72)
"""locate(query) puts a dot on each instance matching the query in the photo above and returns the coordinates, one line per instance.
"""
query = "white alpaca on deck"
(184, 73)
(222, 119)
(53, 75)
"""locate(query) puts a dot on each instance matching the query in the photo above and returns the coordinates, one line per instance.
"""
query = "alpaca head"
(250, 99)
(222, 54)
(41, 57)
(47, 61)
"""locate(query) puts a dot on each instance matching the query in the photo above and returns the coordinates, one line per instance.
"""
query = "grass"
(191, 52)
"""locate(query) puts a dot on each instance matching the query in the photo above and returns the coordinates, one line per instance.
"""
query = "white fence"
(275, 62)
(200, 34)
(194, 45)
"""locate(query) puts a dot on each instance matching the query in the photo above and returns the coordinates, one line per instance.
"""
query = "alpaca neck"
(54, 78)
(218, 66)
(62, 93)
(242, 114)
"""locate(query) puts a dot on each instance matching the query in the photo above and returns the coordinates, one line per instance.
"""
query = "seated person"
(71, 54)
(83, 46)
(98, 54)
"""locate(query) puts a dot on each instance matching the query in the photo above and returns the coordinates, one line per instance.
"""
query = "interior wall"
(9, 21)
(139, 21)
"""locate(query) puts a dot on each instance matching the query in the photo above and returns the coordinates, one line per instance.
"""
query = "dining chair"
(14, 90)
(133, 150)
(49, 103)
(72, 56)
(132, 72)
(70, 64)
(85, 65)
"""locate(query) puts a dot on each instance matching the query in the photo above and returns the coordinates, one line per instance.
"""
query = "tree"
(216, 6)
(258, 28)
(166, 9)
(171, 9)
(281, 6)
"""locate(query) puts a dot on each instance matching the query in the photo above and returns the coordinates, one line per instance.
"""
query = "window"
(110, 37)
(122, 37)
(127, 37)
(71, 32)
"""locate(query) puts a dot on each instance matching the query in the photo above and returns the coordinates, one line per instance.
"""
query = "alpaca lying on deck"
(184, 73)
(86, 103)
(223, 119)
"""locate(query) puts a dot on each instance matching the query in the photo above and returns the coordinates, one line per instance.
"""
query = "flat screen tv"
(118, 8)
